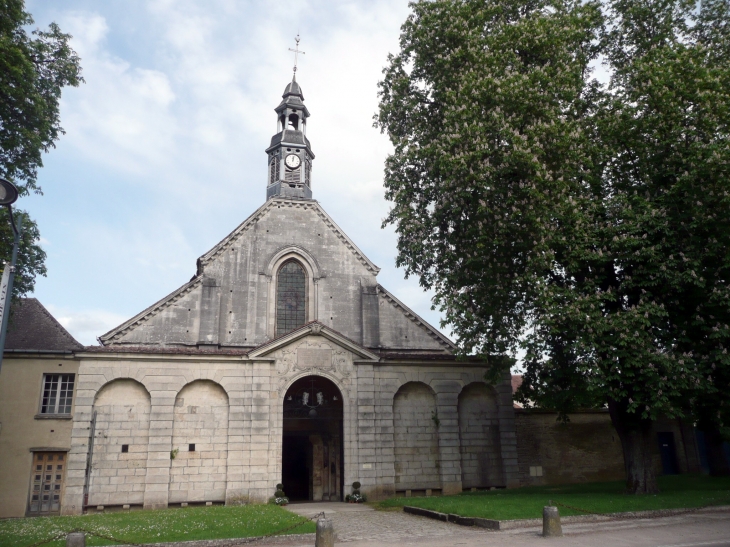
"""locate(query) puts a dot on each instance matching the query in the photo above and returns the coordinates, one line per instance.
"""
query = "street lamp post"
(8, 195)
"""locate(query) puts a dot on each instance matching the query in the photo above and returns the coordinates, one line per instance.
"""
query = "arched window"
(291, 302)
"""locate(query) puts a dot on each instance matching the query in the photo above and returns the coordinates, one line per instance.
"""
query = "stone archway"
(121, 440)
(416, 436)
(198, 464)
(312, 440)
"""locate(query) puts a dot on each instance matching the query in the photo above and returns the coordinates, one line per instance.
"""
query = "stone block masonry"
(177, 429)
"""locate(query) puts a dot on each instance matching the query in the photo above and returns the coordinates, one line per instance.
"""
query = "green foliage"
(33, 70)
(483, 105)
(31, 258)
(167, 525)
(527, 503)
(587, 221)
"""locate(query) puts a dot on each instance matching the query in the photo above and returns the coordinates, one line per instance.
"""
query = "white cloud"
(121, 116)
(163, 154)
(86, 325)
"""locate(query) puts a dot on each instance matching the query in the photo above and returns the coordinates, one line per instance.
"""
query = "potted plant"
(279, 496)
(356, 496)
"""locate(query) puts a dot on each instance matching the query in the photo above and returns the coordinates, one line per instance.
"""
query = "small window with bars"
(308, 173)
(57, 393)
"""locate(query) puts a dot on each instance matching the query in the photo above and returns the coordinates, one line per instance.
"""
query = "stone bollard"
(325, 533)
(551, 522)
(76, 539)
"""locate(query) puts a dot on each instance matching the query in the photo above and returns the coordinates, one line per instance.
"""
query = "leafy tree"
(33, 70)
(586, 218)
(704, 306)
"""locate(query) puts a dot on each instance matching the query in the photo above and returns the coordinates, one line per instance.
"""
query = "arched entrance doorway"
(312, 455)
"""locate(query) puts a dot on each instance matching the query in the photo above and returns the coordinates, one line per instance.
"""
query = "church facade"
(282, 361)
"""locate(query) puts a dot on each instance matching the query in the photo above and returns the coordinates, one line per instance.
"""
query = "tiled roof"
(32, 327)
(168, 350)
(427, 356)
(516, 382)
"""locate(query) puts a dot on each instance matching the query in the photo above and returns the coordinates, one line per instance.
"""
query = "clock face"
(292, 161)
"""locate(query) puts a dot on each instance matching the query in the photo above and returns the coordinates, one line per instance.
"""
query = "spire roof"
(293, 89)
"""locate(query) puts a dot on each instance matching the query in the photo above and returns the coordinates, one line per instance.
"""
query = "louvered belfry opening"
(274, 169)
(291, 301)
(292, 175)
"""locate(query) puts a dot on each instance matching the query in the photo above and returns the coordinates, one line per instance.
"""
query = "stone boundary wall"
(587, 448)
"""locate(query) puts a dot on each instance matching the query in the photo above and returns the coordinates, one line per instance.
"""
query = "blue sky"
(164, 148)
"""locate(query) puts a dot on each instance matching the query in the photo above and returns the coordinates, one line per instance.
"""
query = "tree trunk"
(715, 456)
(637, 442)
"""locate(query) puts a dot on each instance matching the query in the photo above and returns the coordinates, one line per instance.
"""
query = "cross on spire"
(296, 51)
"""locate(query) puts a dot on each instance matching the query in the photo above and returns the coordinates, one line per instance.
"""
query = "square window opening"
(191, 448)
(125, 448)
(57, 393)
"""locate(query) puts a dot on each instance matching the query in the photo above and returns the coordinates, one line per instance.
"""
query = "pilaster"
(447, 401)
(157, 479)
(507, 432)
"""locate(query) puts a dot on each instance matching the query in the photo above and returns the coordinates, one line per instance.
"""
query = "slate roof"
(33, 328)
(293, 89)
(290, 136)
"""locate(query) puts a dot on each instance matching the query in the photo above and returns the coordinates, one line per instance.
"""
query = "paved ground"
(361, 526)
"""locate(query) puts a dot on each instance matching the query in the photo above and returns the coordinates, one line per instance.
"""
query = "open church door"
(312, 462)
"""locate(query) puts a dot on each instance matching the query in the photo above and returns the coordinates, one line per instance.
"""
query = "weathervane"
(296, 51)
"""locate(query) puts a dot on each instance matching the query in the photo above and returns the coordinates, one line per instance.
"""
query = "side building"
(37, 385)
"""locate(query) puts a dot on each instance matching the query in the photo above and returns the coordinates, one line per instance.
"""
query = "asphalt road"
(359, 526)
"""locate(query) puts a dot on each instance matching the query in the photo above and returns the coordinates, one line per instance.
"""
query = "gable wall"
(232, 302)
(398, 331)
(244, 283)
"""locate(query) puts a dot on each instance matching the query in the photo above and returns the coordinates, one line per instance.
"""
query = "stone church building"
(282, 360)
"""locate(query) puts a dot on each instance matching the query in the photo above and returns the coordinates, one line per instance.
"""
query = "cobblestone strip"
(387, 525)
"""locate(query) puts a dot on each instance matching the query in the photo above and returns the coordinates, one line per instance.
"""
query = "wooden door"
(46, 482)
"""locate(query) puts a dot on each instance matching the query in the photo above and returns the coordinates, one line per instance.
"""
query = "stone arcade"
(282, 360)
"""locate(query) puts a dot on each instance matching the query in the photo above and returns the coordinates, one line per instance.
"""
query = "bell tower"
(290, 154)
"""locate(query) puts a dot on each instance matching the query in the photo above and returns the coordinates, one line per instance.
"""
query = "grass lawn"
(217, 522)
(606, 497)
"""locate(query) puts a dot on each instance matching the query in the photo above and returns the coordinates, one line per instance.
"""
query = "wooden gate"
(46, 482)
